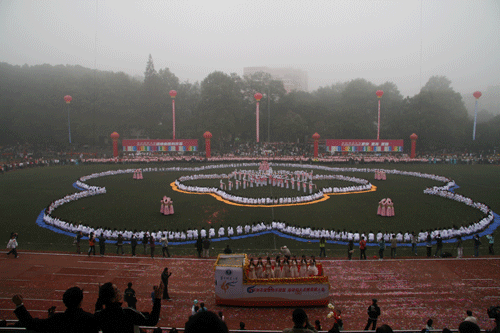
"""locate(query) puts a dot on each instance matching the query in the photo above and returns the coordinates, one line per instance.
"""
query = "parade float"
(233, 286)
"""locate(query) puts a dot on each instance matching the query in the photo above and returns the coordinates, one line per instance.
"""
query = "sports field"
(135, 205)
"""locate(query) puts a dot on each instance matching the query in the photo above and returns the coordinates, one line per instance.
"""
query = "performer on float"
(277, 267)
(139, 173)
(230, 185)
(384, 177)
(237, 184)
(294, 269)
(312, 270)
(303, 267)
(251, 270)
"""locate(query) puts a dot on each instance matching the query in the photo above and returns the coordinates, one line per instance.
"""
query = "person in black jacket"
(164, 279)
(129, 296)
(102, 245)
(373, 313)
(113, 318)
(73, 320)
(133, 243)
(199, 246)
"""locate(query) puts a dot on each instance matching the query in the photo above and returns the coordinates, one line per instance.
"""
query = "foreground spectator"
(384, 329)
(373, 313)
(300, 323)
(73, 320)
(468, 327)
(113, 318)
(205, 322)
(470, 317)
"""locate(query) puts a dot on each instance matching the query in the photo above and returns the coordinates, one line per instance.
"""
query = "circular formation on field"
(245, 179)
(485, 225)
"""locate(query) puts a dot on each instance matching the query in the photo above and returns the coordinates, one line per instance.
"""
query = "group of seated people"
(286, 267)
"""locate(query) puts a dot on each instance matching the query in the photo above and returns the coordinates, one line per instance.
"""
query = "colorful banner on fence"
(159, 145)
(357, 145)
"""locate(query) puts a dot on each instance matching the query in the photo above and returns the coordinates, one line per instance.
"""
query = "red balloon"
(477, 94)
(258, 96)
(172, 93)
(316, 136)
(207, 135)
(379, 93)
(68, 98)
(114, 136)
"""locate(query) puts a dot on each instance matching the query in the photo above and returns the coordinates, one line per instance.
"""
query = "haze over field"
(404, 42)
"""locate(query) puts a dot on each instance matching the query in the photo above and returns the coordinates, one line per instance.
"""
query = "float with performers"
(243, 281)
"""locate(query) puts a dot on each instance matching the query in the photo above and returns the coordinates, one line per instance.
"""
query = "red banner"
(359, 145)
(143, 145)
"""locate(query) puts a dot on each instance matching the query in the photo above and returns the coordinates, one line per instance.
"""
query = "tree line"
(33, 111)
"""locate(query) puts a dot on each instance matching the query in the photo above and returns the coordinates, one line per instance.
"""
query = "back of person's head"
(73, 297)
(107, 293)
(129, 285)
(242, 325)
(205, 322)
(468, 327)
(469, 313)
(446, 330)
(299, 317)
(384, 329)
(430, 322)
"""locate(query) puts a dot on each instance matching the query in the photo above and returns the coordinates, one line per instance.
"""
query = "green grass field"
(135, 204)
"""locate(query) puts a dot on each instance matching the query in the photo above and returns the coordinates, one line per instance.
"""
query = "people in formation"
(286, 267)
(138, 174)
(385, 207)
(167, 206)
(304, 232)
(280, 178)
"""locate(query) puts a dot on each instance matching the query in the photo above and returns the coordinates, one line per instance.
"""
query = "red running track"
(409, 291)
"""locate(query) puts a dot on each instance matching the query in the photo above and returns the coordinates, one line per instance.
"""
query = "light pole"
(476, 94)
(172, 94)
(379, 94)
(68, 99)
(258, 97)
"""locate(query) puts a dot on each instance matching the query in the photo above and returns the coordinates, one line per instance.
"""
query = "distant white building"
(293, 79)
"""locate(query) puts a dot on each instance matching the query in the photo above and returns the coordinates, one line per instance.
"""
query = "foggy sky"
(404, 42)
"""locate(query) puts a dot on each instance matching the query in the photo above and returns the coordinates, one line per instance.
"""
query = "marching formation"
(245, 230)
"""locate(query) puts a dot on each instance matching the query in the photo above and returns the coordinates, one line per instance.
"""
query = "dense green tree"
(438, 115)
(219, 107)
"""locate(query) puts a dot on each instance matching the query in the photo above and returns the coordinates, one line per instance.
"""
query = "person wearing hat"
(286, 252)
(373, 313)
(193, 310)
(74, 319)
